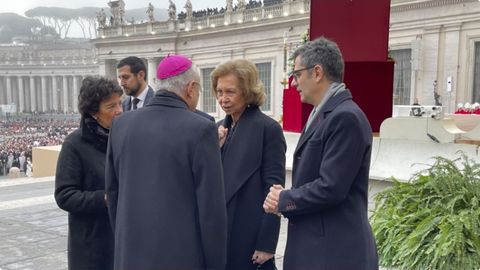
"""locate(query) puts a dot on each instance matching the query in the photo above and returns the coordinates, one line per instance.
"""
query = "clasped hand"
(270, 205)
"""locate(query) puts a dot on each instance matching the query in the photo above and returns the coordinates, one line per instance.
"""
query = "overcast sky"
(20, 6)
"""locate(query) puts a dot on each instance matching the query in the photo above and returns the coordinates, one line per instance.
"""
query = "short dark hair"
(136, 65)
(93, 91)
(325, 53)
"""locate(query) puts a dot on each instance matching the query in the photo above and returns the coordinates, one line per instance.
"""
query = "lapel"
(126, 103)
(329, 106)
(243, 155)
(149, 95)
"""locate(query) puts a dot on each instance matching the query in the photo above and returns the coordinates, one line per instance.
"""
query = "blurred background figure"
(253, 155)
(80, 177)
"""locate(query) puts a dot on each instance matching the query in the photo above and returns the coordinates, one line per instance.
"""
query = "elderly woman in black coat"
(80, 177)
(253, 154)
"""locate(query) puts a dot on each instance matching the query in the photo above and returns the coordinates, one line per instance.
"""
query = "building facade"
(44, 76)
(435, 45)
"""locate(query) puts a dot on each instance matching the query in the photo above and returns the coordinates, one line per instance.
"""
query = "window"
(208, 100)
(402, 76)
(476, 74)
(265, 74)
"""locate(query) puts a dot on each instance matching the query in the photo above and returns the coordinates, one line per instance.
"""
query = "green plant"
(432, 222)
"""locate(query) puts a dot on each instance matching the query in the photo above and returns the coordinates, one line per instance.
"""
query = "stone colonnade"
(32, 93)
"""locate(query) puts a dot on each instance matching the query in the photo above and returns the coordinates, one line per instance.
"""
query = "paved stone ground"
(33, 230)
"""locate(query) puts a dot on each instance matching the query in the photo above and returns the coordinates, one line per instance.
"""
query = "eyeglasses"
(297, 73)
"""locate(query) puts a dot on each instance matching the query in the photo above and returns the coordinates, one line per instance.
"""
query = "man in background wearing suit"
(132, 74)
(164, 180)
(326, 207)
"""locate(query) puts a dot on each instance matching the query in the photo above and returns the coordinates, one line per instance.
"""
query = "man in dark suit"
(164, 180)
(132, 74)
(327, 205)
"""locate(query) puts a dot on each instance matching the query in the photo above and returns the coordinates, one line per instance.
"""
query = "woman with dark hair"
(253, 154)
(80, 177)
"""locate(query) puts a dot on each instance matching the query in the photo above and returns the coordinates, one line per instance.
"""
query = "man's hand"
(260, 257)
(270, 205)
(222, 135)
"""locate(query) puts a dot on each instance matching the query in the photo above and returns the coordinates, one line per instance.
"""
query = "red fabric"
(360, 27)
(371, 84)
(295, 113)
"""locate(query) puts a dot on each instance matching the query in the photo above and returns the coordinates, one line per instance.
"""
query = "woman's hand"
(260, 257)
(222, 135)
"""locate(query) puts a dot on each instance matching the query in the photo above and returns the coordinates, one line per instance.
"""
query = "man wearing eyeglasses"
(327, 204)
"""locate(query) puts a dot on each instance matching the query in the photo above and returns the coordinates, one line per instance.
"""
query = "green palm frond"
(433, 221)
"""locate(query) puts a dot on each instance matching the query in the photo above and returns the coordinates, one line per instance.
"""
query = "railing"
(273, 11)
(216, 20)
(200, 22)
(196, 23)
(250, 15)
(140, 28)
(160, 27)
(111, 31)
(306, 4)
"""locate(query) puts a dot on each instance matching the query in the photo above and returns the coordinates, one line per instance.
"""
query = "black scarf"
(94, 133)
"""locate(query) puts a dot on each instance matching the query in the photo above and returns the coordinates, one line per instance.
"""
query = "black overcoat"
(165, 189)
(328, 226)
(80, 190)
(253, 161)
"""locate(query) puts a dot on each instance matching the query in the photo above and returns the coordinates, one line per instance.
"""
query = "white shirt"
(142, 97)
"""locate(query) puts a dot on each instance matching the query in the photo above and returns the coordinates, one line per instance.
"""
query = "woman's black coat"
(253, 160)
(79, 190)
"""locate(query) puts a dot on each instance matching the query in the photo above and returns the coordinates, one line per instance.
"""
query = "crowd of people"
(215, 11)
(271, 2)
(19, 136)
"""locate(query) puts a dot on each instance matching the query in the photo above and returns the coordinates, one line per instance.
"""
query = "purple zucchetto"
(173, 65)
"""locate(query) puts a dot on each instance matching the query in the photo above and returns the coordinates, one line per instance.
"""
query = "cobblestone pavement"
(33, 230)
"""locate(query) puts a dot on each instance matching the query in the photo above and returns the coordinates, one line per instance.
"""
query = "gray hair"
(325, 53)
(178, 83)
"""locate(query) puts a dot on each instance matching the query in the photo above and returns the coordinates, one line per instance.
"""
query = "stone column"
(44, 93)
(75, 93)
(54, 94)
(9, 90)
(65, 94)
(33, 103)
(102, 68)
(152, 72)
(21, 97)
(2, 89)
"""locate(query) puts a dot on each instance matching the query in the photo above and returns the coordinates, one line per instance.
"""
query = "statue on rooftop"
(117, 8)
(240, 4)
(150, 12)
(229, 5)
(101, 19)
(188, 8)
(172, 11)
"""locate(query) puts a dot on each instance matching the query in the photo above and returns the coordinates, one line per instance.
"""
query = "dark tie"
(134, 103)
